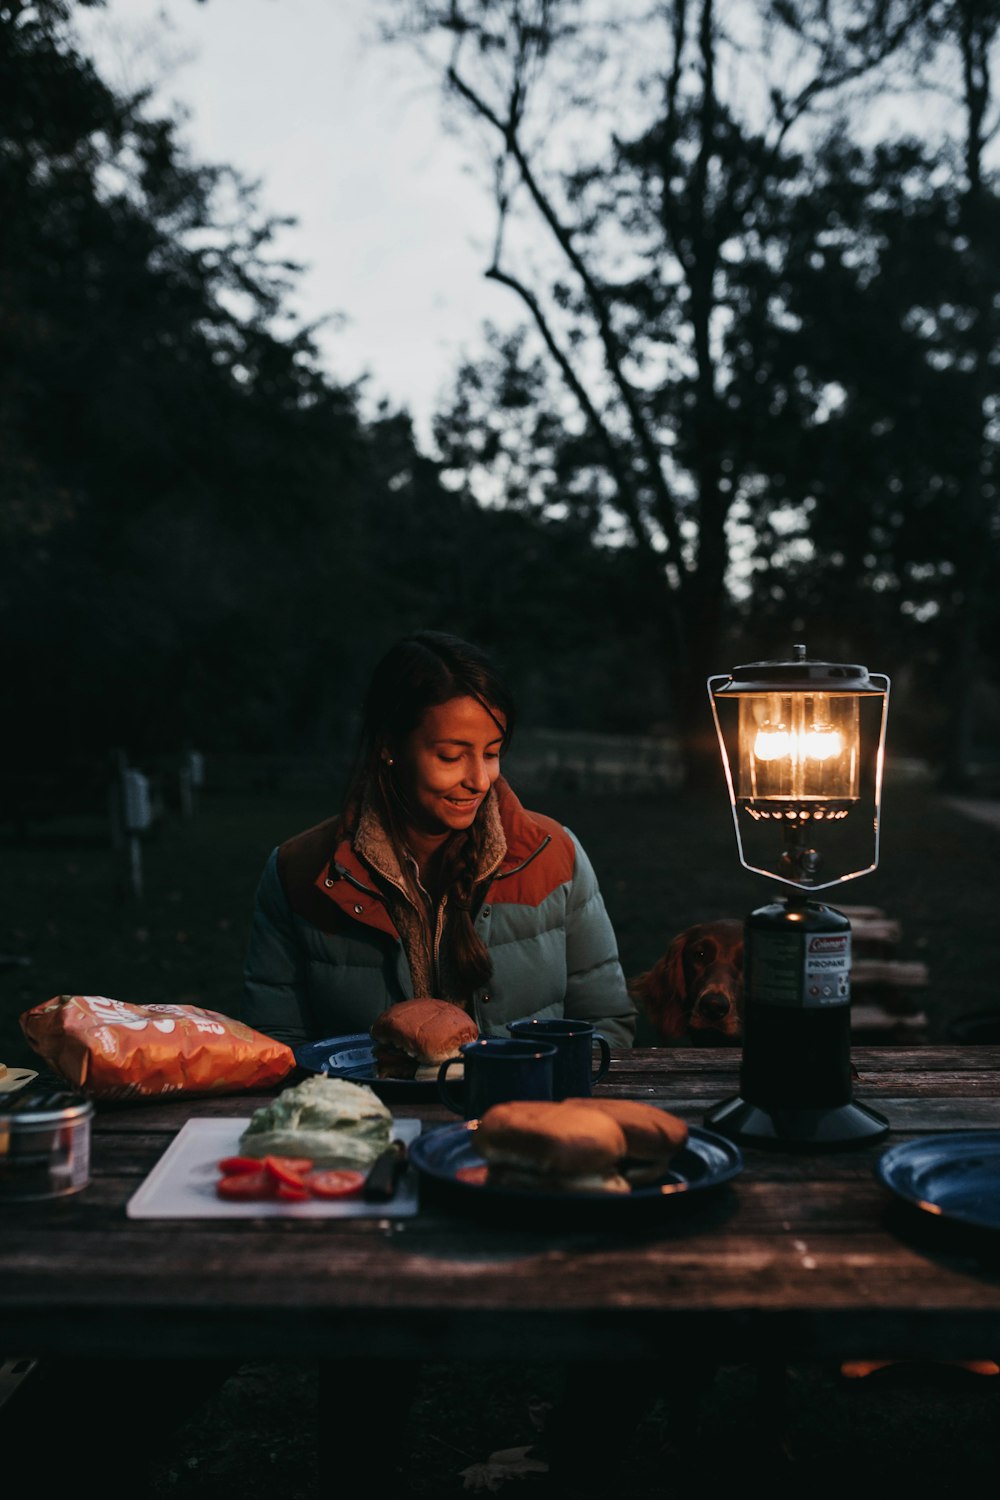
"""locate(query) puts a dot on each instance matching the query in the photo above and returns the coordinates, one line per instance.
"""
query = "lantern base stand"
(850, 1124)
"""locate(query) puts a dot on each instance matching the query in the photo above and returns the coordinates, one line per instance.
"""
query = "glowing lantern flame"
(772, 744)
(812, 744)
(823, 744)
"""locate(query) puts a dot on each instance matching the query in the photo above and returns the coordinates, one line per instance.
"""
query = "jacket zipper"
(533, 855)
(346, 875)
(436, 942)
(438, 929)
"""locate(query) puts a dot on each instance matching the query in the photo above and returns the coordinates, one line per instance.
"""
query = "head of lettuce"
(333, 1122)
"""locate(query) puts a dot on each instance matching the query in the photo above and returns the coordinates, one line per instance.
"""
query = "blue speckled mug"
(573, 1072)
(498, 1068)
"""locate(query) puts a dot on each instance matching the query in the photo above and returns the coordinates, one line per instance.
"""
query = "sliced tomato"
(476, 1175)
(246, 1185)
(334, 1182)
(232, 1166)
(290, 1193)
(287, 1169)
(298, 1164)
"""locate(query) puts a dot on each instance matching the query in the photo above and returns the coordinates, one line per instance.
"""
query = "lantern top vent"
(802, 674)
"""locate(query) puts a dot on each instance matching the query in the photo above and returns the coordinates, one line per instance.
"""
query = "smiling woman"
(433, 880)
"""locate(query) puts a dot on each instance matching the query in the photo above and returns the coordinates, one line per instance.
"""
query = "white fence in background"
(572, 760)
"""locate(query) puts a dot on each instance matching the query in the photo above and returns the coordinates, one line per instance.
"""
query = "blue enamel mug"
(574, 1074)
(497, 1069)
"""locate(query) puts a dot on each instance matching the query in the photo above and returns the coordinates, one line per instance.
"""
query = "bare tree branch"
(666, 507)
(617, 461)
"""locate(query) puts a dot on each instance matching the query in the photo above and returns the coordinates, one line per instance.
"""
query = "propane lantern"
(803, 746)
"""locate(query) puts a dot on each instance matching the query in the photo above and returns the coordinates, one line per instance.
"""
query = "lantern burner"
(831, 810)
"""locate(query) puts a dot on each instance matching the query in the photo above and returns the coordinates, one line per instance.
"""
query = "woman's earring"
(389, 761)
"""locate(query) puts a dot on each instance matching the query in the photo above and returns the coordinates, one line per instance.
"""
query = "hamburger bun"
(551, 1146)
(419, 1034)
(653, 1136)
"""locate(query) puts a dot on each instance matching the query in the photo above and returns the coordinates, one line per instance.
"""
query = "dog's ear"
(662, 992)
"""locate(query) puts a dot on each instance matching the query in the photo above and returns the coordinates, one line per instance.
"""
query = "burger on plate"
(551, 1146)
(653, 1136)
(412, 1039)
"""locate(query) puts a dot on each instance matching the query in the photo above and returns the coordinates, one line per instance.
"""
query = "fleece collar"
(373, 844)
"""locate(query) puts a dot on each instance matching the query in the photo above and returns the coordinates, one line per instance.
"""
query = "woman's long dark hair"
(417, 673)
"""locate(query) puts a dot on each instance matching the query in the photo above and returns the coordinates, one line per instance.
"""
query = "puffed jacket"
(325, 957)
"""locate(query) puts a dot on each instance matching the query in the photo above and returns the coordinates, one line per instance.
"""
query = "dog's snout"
(713, 1005)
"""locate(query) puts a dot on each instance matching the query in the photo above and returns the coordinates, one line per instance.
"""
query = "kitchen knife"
(384, 1174)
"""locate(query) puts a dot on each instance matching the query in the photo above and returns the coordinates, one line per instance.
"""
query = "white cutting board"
(182, 1184)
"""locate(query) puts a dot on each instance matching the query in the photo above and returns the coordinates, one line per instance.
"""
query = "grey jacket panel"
(557, 958)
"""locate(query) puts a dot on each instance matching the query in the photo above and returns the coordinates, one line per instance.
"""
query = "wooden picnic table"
(803, 1255)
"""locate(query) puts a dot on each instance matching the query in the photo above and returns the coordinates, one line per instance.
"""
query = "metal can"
(44, 1144)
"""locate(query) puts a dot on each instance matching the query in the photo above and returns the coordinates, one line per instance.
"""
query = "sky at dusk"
(345, 135)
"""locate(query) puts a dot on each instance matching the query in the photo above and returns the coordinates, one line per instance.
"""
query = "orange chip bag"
(112, 1050)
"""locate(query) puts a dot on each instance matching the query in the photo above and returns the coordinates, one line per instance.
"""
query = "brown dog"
(695, 991)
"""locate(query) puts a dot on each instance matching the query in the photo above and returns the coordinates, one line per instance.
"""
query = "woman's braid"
(469, 953)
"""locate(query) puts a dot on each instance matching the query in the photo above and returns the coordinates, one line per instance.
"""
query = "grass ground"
(663, 863)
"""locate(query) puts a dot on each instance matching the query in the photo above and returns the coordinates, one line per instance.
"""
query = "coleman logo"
(834, 944)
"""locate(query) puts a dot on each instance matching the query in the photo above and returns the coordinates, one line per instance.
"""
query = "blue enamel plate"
(954, 1176)
(353, 1057)
(442, 1155)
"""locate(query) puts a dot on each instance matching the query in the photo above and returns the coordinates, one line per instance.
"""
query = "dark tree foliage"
(167, 454)
(557, 610)
(892, 291)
